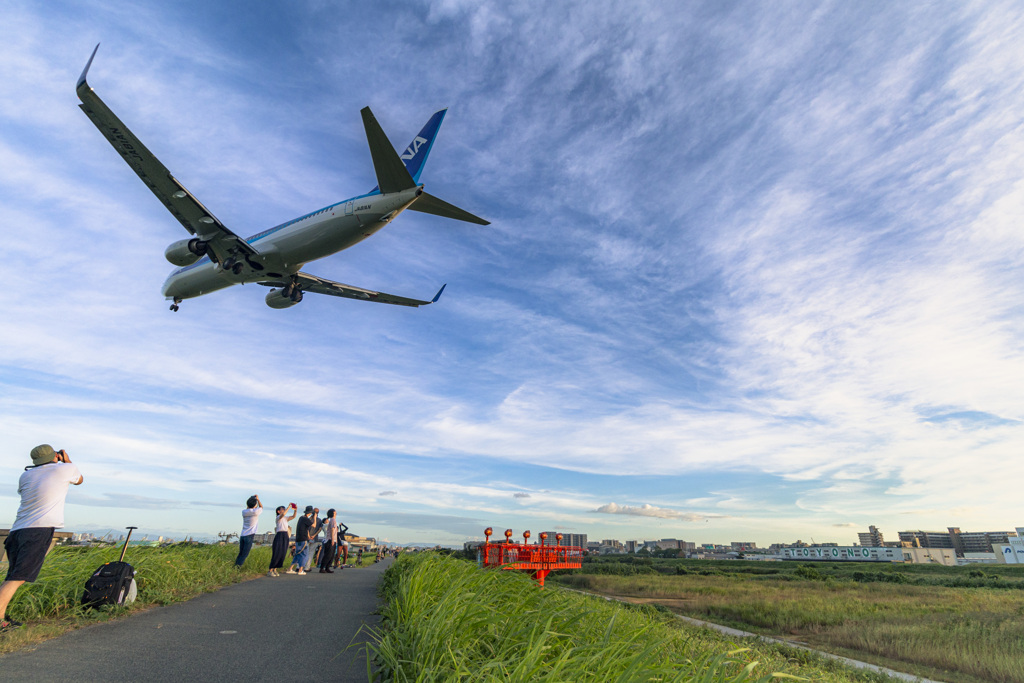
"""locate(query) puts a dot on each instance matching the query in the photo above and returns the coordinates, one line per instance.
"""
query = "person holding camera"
(43, 488)
(305, 530)
(250, 519)
(280, 548)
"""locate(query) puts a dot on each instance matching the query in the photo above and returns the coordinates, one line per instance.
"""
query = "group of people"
(44, 487)
(332, 550)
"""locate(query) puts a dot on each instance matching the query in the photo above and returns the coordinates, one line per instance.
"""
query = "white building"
(844, 554)
(1013, 551)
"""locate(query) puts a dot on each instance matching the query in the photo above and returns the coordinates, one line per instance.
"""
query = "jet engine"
(276, 298)
(185, 252)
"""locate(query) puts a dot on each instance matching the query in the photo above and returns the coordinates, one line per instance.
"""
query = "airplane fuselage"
(287, 247)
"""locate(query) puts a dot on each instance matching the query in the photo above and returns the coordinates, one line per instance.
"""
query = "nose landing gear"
(174, 306)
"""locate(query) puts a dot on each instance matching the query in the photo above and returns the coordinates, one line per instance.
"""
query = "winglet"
(81, 79)
(438, 295)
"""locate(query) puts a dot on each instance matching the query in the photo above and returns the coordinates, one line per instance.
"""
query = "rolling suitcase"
(113, 583)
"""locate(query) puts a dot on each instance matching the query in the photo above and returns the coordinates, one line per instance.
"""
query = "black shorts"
(26, 549)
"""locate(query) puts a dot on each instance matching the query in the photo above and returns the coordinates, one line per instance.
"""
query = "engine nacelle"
(185, 252)
(277, 299)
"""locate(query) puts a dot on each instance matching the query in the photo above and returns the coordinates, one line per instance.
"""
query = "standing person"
(330, 543)
(342, 546)
(314, 540)
(359, 557)
(342, 543)
(43, 488)
(250, 519)
(280, 548)
(303, 530)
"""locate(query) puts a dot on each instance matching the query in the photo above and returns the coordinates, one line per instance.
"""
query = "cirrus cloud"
(647, 510)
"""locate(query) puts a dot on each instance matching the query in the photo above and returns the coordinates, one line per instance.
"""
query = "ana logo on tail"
(411, 150)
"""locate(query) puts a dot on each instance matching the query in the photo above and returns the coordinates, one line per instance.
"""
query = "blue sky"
(753, 272)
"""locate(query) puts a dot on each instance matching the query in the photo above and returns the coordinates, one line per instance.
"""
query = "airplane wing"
(318, 285)
(189, 211)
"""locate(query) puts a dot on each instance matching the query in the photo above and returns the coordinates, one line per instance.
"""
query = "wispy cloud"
(647, 510)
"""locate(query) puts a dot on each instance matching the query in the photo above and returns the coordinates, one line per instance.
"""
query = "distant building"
(851, 553)
(943, 556)
(873, 538)
(630, 546)
(959, 541)
(357, 542)
(576, 540)
(1011, 552)
(743, 546)
(669, 544)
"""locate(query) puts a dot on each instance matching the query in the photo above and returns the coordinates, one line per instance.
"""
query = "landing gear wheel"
(288, 290)
(296, 296)
(236, 269)
(174, 307)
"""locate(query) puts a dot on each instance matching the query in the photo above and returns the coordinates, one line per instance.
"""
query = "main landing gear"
(292, 291)
(174, 306)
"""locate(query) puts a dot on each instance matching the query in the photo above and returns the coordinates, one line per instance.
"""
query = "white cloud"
(647, 510)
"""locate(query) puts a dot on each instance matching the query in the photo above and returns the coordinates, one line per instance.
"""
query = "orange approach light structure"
(540, 559)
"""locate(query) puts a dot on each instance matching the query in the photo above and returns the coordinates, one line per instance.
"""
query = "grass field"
(447, 620)
(922, 623)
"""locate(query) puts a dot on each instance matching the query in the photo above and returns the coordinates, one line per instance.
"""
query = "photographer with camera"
(280, 548)
(43, 488)
(305, 530)
(250, 519)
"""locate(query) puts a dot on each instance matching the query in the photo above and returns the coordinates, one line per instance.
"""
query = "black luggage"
(113, 583)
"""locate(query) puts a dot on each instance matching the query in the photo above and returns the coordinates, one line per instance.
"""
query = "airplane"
(216, 258)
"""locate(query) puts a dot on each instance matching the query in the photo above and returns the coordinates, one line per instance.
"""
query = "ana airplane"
(215, 257)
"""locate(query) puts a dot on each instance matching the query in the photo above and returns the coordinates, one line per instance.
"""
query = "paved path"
(290, 628)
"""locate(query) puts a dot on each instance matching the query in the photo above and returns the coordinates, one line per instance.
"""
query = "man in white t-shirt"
(250, 518)
(43, 488)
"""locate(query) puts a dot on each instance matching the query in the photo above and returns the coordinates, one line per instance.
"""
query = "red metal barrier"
(538, 559)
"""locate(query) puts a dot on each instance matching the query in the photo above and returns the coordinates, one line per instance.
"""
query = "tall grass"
(976, 633)
(447, 620)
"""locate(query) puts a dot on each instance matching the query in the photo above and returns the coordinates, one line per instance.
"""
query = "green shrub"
(808, 572)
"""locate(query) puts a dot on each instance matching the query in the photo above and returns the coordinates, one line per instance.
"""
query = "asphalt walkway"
(289, 628)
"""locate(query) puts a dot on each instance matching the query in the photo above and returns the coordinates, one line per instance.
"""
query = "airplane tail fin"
(397, 172)
(415, 155)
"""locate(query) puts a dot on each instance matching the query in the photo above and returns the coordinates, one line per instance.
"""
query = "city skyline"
(753, 270)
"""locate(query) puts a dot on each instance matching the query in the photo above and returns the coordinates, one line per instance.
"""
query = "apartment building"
(959, 541)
